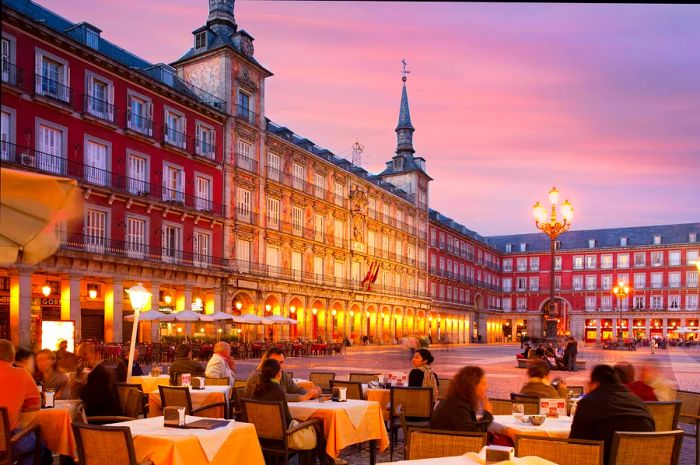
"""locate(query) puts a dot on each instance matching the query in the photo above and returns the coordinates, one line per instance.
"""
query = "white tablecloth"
(474, 459)
(552, 427)
(355, 409)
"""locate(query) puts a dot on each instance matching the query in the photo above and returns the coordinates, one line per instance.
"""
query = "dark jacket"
(274, 393)
(292, 390)
(571, 350)
(454, 414)
(98, 395)
(610, 408)
(541, 390)
(184, 365)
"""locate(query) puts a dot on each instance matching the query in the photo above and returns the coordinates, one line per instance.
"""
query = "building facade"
(192, 190)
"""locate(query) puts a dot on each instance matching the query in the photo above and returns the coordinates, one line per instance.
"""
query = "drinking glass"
(518, 411)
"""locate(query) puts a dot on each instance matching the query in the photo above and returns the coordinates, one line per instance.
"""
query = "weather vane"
(405, 71)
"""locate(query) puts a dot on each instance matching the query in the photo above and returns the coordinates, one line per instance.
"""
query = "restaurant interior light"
(167, 299)
(268, 308)
(314, 310)
(46, 290)
(292, 309)
(333, 312)
(92, 292)
(239, 305)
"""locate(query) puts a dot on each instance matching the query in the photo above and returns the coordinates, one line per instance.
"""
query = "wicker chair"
(690, 414)
(171, 396)
(7, 441)
(501, 406)
(443, 384)
(235, 409)
(560, 451)
(415, 403)
(531, 403)
(364, 377)
(646, 448)
(426, 443)
(290, 374)
(239, 383)
(98, 445)
(665, 414)
(354, 388)
(271, 426)
(216, 381)
(575, 391)
(122, 390)
(322, 379)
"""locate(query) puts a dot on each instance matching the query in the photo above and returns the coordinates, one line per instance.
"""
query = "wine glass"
(518, 411)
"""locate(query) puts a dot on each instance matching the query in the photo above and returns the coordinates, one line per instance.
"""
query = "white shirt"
(218, 368)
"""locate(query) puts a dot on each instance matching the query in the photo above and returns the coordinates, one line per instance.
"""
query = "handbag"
(304, 439)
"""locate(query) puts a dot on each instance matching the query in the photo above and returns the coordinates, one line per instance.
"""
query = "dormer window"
(591, 243)
(623, 242)
(557, 245)
(200, 40)
(523, 246)
(398, 163)
(509, 248)
(692, 237)
(657, 240)
(92, 38)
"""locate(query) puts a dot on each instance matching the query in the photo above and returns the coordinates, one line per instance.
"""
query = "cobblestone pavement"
(679, 365)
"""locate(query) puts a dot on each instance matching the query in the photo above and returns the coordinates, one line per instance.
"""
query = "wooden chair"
(561, 451)
(98, 445)
(239, 383)
(172, 396)
(354, 388)
(426, 443)
(531, 403)
(501, 406)
(322, 379)
(665, 414)
(690, 415)
(271, 427)
(575, 391)
(235, 409)
(444, 383)
(365, 378)
(7, 441)
(122, 390)
(216, 381)
(133, 407)
(646, 448)
(415, 403)
(290, 374)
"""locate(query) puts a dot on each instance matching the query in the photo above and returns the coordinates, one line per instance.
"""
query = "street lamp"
(552, 227)
(621, 291)
(138, 296)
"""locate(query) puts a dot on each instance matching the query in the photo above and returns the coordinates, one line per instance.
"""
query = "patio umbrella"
(217, 317)
(250, 319)
(31, 205)
(187, 316)
(152, 315)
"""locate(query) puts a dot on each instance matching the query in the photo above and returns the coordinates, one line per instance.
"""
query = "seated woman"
(268, 387)
(50, 378)
(422, 374)
(457, 412)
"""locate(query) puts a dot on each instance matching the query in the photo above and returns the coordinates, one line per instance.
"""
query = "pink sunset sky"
(602, 101)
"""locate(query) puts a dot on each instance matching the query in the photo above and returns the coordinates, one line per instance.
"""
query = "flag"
(368, 276)
(373, 277)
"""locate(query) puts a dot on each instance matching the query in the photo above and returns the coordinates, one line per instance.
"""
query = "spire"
(221, 11)
(404, 130)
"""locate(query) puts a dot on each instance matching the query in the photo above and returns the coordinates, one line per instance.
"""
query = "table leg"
(372, 451)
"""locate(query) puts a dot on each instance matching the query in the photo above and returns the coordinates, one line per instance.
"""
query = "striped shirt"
(17, 392)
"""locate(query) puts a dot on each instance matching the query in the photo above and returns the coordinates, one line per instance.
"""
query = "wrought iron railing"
(11, 73)
(246, 163)
(52, 88)
(138, 123)
(99, 108)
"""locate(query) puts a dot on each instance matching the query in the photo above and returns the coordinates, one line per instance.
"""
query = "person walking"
(652, 344)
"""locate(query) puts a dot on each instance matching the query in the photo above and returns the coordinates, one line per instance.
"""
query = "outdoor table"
(208, 395)
(552, 427)
(235, 443)
(150, 383)
(303, 383)
(346, 423)
(55, 425)
(381, 395)
(472, 458)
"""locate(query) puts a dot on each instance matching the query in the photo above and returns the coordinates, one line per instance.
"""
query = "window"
(674, 279)
(656, 302)
(201, 248)
(297, 265)
(656, 280)
(51, 143)
(243, 255)
(319, 226)
(244, 155)
(173, 184)
(692, 237)
(273, 167)
(507, 284)
(674, 302)
(244, 109)
(674, 258)
(557, 245)
(433, 289)
(623, 260)
(557, 263)
(534, 263)
(200, 40)
(298, 176)
(534, 284)
(272, 259)
(96, 162)
(99, 101)
(139, 115)
(522, 264)
(387, 219)
(339, 232)
(172, 243)
(590, 262)
(657, 239)
(591, 283)
(7, 136)
(623, 242)
(509, 248)
(339, 194)
(523, 246)
(606, 261)
(205, 141)
(590, 302)
(691, 256)
(297, 220)
(578, 263)
(640, 280)
(591, 243)
(522, 284)
(273, 213)
(638, 302)
(96, 230)
(137, 173)
(52, 77)
(203, 190)
(508, 265)
(319, 185)
(92, 38)
(606, 282)
(640, 259)
(577, 283)
(557, 283)
(605, 302)
(521, 304)
(657, 259)
(9, 71)
(339, 269)
(385, 249)
(136, 237)
(433, 237)
(691, 302)
(243, 204)
(691, 279)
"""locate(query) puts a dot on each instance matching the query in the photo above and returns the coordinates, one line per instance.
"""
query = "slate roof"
(449, 223)
(404, 112)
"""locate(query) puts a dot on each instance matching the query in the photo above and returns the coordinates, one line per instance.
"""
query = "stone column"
(70, 302)
(647, 327)
(114, 292)
(379, 325)
(664, 327)
(20, 306)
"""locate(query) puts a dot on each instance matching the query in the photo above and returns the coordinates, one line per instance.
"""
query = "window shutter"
(37, 71)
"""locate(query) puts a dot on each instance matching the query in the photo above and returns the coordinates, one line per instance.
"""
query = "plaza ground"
(681, 366)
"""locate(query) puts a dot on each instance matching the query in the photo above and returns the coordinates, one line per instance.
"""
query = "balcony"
(274, 174)
(139, 124)
(246, 163)
(35, 160)
(11, 74)
(98, 108)
(51, 88)
(174, 138)
(205, 149)
(247, 115)
(246, 216)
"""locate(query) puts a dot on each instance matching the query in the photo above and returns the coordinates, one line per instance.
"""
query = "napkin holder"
(186, 379)
(47, 399)
(198, 382)
(495, 454)
(340, 394)
(174, 417)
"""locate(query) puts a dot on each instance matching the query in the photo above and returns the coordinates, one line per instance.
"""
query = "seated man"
(625, 371)
(294, 392)
(609, 407)
(48, 375)
(538, 384)
(184, 364)
(221, 364)
(97, 390)
(19, 394)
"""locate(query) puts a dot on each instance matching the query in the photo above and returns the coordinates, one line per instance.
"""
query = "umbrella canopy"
(282, 320)
(152, 315)
(686, 330)
(251, 320)
(187, 316)
(217, 316)
(31, 205)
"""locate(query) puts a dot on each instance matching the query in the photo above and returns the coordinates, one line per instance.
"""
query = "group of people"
(558, 356)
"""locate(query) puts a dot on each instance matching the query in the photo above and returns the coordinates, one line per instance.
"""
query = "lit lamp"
(551, 226)
(292, 309)
(167, 299)
(621, 291)
(138, 296)
(239, 305)
(268, 308)
(218, 334)
(92, 291)
(46, 290)
(314, 310)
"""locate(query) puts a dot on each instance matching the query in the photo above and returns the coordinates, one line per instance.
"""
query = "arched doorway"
(562, 312)
(297, 312)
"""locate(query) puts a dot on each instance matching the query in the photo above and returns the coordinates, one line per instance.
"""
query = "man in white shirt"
(221, 365)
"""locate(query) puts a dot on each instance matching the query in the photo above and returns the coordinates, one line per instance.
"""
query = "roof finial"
(404, 72)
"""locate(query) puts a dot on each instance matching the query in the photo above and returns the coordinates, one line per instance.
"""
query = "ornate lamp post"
(552, 227)
(138, 296)
(621, 291)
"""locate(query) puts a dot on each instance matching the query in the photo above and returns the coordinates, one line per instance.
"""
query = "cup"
(518, 411)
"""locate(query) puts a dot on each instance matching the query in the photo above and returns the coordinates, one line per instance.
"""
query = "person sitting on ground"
(18, 394)
(66, 361)
(625, 371)
(538, 384)
(221, 364)
(651, 376)
(525, 353)
(24, 358)
(50, 378)
(97, 388)
(294, 392)
(457, 411)
(422, 374)
(184, 364)
(539, 352)
(609, 407)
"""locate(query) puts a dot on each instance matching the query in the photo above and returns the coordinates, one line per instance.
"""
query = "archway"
(354, 322)
(562, 313)
(272, 306)
(317, 310)
(297, 312)
(370, 323)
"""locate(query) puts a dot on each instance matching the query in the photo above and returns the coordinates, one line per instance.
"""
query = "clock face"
(247, 46)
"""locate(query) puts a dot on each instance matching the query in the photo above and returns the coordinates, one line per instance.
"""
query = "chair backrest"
(444, 383)
(175, 378)
(560, 451)
(501, 406)
(575, 391)
(364, 377)
(354, 388)
(646, 448)
(239, 383)
(174, 396)
(530, 403)
(322, 379)
(665, 414)
(122, 390)
(414, 401)
(290, 374)
(268, 418)
(425, 443)
(690, 407)
(216, 381)
(4, 433)
(133, 406)
(98, 445)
